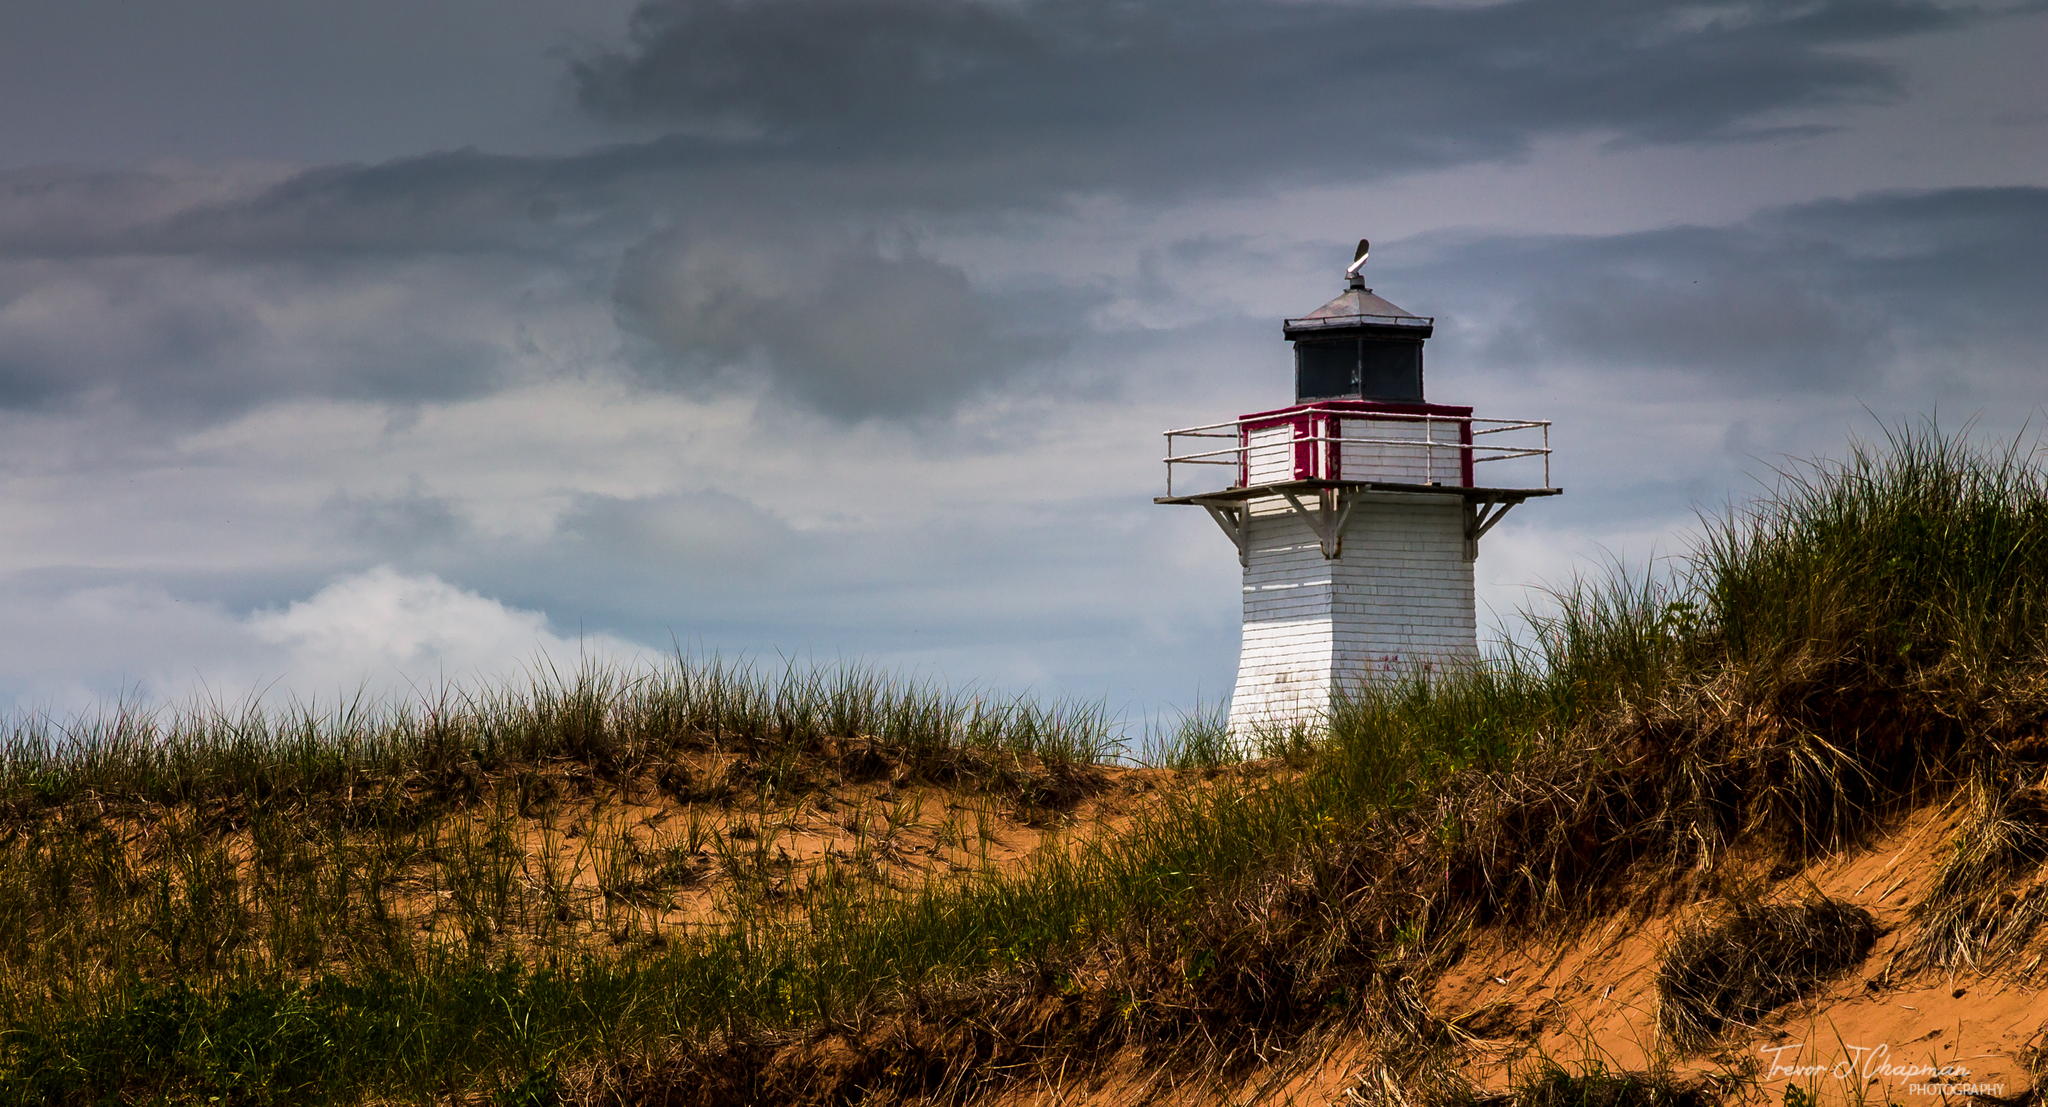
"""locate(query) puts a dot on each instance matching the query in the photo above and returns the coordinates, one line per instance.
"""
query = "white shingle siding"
(1435, 457)
(1399, 598)
(1269, 454)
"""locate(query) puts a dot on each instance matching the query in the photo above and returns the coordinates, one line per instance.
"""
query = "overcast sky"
(376, 344)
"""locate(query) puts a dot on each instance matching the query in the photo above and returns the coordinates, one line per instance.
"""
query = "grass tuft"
(1990, 896)
(1555, 1086)
(1755, 958)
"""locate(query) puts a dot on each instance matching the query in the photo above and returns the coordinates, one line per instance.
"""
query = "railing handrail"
(1238, 453)
(1497, 425)
(1507, 451)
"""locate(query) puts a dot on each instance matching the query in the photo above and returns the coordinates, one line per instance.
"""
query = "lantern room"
(1358, 346)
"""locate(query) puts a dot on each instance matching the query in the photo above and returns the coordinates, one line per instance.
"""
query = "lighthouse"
(1356, 512)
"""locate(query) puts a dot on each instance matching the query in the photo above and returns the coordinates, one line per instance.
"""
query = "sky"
(374, 347)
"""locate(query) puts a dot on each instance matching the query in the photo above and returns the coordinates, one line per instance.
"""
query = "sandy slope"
(1586, 999)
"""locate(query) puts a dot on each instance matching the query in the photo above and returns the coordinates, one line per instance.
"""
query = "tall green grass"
(175, 884)
(609, 719)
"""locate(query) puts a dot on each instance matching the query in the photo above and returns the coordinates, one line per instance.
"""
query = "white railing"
(1314, 443)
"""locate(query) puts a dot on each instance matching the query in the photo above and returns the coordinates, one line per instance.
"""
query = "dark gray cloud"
(203, 291)
(884, 107)
(1159, 96)
(457, 203)
(1839, 296)
(193, 339)
(847, 329)
(105, 81)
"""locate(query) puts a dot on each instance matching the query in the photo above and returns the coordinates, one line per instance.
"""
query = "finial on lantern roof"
(1354, 276)
(1357, 312)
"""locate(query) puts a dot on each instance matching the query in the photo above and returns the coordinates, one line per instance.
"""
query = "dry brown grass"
(1733, 969)
(547, 861)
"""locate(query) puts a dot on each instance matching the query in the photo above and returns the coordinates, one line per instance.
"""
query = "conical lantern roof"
(1359, 306)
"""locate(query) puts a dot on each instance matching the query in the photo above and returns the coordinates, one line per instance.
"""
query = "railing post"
(1428, 450)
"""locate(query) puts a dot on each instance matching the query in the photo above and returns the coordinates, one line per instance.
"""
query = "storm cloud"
(842, 328)
(205, 292)
(1164, 96)
(1851, 295)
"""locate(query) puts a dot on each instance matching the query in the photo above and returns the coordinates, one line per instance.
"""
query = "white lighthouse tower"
(1356, 511)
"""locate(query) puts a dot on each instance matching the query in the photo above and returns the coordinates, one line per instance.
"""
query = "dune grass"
(610, 720)
(1753, 958)
(277, 905)
(1867, 634)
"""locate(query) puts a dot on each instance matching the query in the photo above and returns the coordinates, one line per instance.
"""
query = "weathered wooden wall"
(1398, 599)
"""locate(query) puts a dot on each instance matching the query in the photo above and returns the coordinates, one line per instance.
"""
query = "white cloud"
(382, 633)
(384, 626)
